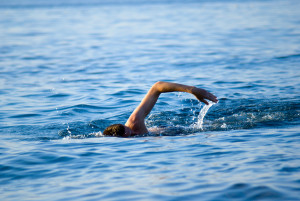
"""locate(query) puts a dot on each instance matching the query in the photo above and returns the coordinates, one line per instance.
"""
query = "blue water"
(68, 69)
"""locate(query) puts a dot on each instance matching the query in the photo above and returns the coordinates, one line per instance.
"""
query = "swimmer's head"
(118, 130)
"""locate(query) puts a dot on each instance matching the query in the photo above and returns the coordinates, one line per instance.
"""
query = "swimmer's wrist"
(193, 89)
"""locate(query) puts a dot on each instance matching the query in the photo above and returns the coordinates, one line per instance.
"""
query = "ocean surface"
(70, 68)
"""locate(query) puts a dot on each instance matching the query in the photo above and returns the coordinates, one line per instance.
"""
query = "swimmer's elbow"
(158, 86)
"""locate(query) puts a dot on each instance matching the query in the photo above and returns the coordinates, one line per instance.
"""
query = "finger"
(212, 97)
(215, 100)
(204, 101)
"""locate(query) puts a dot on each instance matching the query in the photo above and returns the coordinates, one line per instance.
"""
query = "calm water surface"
(69, 69)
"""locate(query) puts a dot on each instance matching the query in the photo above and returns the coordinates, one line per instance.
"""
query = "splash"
(202, 113)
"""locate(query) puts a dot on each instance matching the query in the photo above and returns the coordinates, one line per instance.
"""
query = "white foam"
(202, 113)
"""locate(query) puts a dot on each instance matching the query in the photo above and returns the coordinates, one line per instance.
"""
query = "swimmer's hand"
(202, 94)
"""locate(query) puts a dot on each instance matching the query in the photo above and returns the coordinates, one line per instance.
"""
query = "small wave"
(37, 57)
(87, 106)
(59, 95)
(83, 136)
(81, 130)
(288, 56)
(226, 82)
(24, 115)
(243, 190)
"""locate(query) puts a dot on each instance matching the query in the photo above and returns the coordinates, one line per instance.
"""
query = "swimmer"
(135, 124)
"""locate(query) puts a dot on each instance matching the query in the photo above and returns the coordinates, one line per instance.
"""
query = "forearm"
(200, 94)
(163, 87)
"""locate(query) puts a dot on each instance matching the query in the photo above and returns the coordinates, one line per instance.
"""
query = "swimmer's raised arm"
(135, 124)
(163, 87)
(136, 119)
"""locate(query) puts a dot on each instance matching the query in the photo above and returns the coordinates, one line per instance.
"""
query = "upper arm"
(148, 102)
(136, 121)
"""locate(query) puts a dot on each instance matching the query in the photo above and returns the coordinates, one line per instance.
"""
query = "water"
(69, 69)
(202, 113)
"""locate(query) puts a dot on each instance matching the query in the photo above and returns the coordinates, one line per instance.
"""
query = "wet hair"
(116, 130)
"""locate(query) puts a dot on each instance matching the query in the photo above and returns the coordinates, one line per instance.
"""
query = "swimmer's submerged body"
(135, 124)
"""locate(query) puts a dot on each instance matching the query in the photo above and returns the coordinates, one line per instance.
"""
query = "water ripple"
(70, 69)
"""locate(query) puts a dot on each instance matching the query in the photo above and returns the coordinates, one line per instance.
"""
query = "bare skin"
(135, 124)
